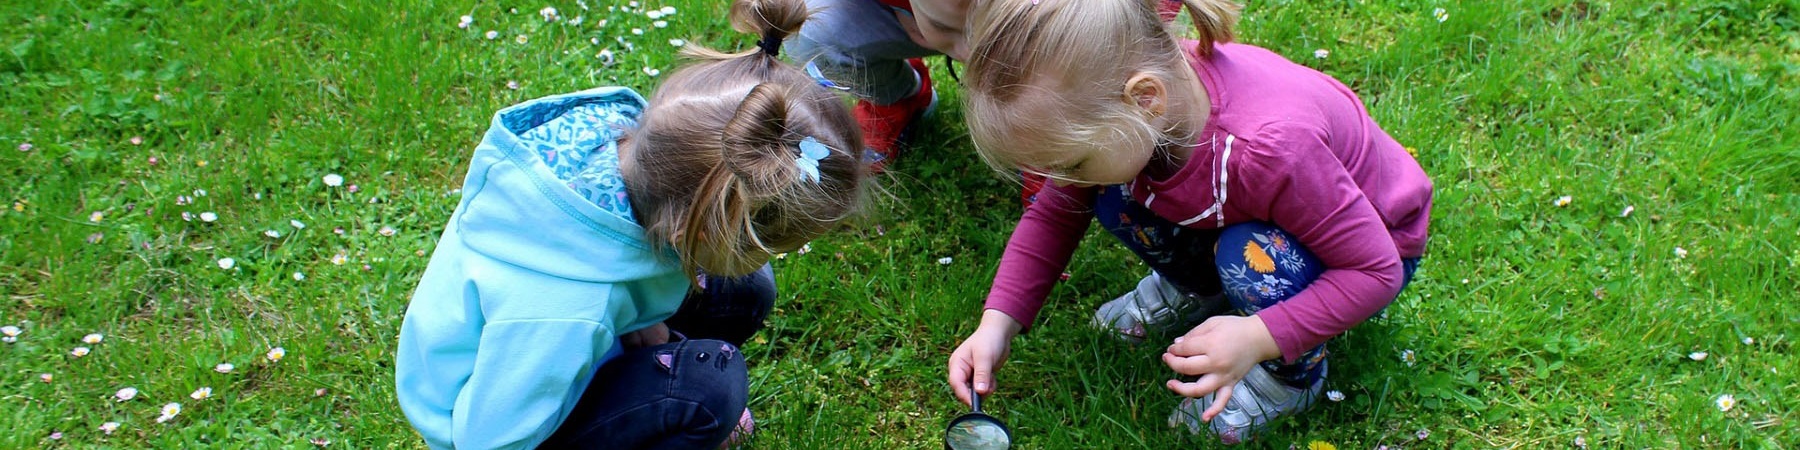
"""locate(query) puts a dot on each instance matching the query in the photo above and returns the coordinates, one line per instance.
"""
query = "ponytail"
(1214, 20)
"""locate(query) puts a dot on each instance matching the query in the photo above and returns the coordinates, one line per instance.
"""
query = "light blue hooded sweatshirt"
(539, 271)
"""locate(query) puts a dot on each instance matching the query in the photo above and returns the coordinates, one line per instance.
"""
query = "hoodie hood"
(516, 208)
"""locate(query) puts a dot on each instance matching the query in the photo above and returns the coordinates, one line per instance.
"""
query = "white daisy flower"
(1725, 402)
(388, 231)
(1749, 341)
(678, 42)
(339, 259)
(492, 35)
(298, 225)
(660, 24)
(548, 13)
(1697, 356)
(80, 352)
(653, 14)
(45, 377)
(1565, 200)
(187, 216)
(209, 217)
(944, 261)
(512, 85)
(224, 368)
(9, 331)
(272, 234)
(1409, 357)
(1440, 14)
(465, 21)
(1681, 252)
(668, 10)
(93, 338)
(275, 354)
(605, 56)
(109, 427)
(126, 394)
(169, 412)
(298, 276)
(651, 71)
(227, 263)
(201, 394)
(333, 180)
(637, 31)
(1321, 53)
(96, 216)
(1335, 396)
(521, 39)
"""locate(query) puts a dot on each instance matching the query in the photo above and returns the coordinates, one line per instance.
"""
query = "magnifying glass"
(977, 430)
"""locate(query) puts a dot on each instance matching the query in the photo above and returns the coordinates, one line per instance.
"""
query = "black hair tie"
(770, 43)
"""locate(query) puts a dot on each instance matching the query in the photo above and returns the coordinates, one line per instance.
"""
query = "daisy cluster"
(628, 34)
(90, 349)
(196, 218)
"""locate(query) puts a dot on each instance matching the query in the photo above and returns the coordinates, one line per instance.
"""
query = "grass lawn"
(1613, 262)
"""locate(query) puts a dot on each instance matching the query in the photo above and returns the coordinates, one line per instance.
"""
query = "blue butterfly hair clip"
(811, 151)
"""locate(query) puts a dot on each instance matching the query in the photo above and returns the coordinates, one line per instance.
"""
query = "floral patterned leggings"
(1261, 265)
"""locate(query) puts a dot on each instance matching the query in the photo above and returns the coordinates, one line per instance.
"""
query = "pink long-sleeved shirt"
(1283, 144)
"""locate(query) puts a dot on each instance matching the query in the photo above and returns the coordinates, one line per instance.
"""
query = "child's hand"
(652, 335)
(1220, 351)
(981, 354)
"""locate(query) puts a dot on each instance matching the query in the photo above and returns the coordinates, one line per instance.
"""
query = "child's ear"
(1148, 92)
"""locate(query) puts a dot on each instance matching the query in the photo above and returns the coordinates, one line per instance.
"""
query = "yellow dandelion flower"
(1320, 445)
(1258, 258)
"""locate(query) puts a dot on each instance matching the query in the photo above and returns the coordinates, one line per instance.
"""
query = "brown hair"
(714, 168)
(1049, 73)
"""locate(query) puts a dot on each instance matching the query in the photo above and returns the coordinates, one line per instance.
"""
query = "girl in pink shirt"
(1229, 169)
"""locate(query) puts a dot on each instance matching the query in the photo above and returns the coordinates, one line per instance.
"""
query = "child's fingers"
(1191, 344)
(959, 379)
(1205, 385)
(1218, 405)
(1190, 365)
(984, 378)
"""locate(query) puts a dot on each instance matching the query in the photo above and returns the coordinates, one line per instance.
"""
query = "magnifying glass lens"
(977, 433)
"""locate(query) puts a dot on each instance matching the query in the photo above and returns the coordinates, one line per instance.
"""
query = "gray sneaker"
(1155, 307)
(1255, 401)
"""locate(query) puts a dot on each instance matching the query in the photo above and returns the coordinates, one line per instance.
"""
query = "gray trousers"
(858, 45)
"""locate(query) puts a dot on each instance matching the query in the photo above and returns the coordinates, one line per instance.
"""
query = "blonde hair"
(714, 170)
(1048, 74)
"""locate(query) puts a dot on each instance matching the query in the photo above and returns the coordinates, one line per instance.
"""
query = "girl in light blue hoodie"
(586, 218)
